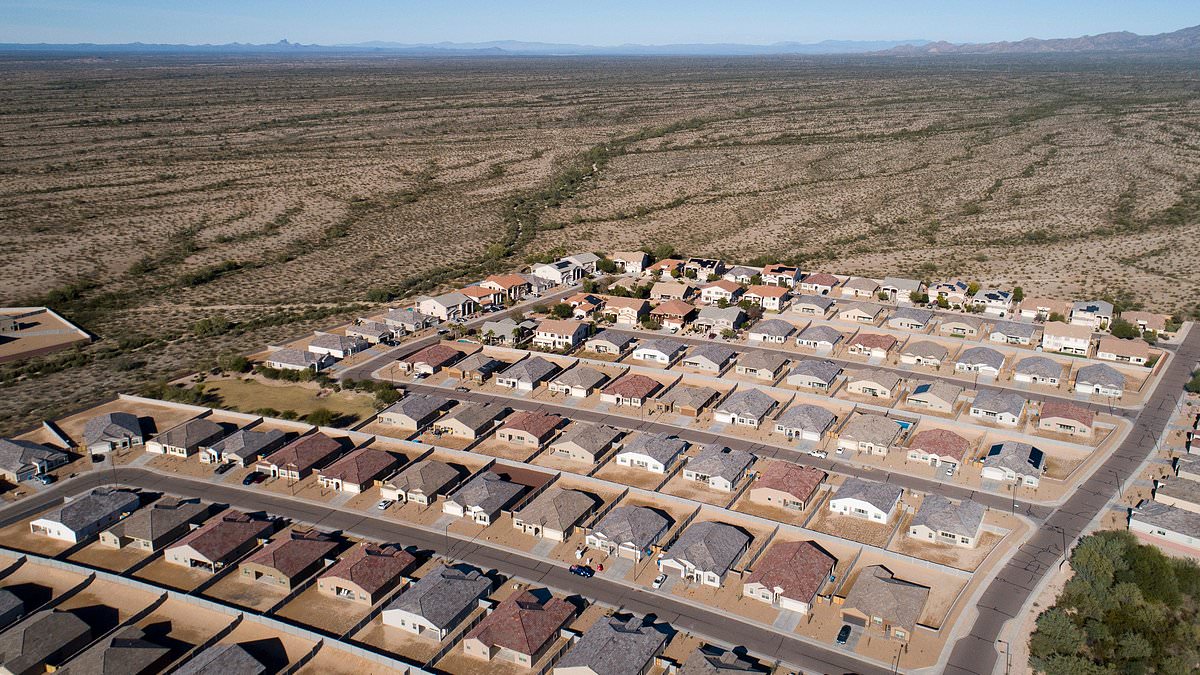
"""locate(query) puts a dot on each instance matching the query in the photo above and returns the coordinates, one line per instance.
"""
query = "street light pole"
(1007, 656)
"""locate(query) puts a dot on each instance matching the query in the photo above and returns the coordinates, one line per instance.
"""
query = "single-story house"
(243, 447)
(818, 337)
(296, 460)
(785, 485)
(1038, 370)
(289, 559)
(910, 318)
(297, 359)
(1101, 379)
(705, 552)
(944, 522)
(409, 319)
(762, 364)
(608, 342)
(860, 287)
(664, 291)
(481, 498)
(337, 346)
(859, 312)
(1013, 333)
(519, 630)
(529, 428)
(954, 292)
(357, 471)
(219, 542)
(715, 319)
(366, 573)
(924, 353)
(819, 283)
(470, 420)
(993, 301)
(805, 421)
(579, 381)
(155, 526)
(614, 647)
(874, 345)
(373, 332)
(709, 357)
(937, 396)
(871, 433)
(553, 514)
(1178, 492)
(879, 601)
(83, 517)
(1134, 351)
(43, 642)
(663, 351)
(112, 431)
(1012, 461)
(812, 305)
(789, 575)
(584, 442)
(22, 460)
(420, 482)
(652, 452)
(1159, 522)
(438, 602)
(1061, 417)
(900, 290)
(631, 389)
(430, 359)
(527, 374)
(186, 439)
(982, 360)
(874, 383)
(629, 531)
(866, 499)
(746, 407)
(413, 411)
(771, 331)
(718, 467)
(939, 447)
(686, 399)
(813, 374)
(1000, 407)
(961, 326)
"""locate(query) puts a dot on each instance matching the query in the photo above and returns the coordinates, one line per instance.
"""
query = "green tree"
(1018, 294)
(321, 417)
(210, 326)
(1123, 329)
(1193, 385)
(379, 295)
(607, 266)
(386, 397)
(973, 288)
(918, 298)
(943, 303)
(1056, 633)
(233, 363)
(1055, 316)
(562, 311)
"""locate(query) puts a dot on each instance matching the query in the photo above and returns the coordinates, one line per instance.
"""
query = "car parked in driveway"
(818, 453)
(659, 581)
(46, 479)
(843, 635)
(254, 477)
(384, 504)
(582, 571)
(222, 468)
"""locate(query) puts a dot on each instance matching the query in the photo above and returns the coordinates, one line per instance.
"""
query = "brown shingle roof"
(535, 423)
(797, 567)
(435, 355)
(793, 479)
(673, 308)
(371, 567)
(218, 538)
(873, 340)
(942, 443)
(634, 385)
(564, 327)
(522, 623)
(1067, 411)
(507, 281)
(294, 552)
(360, 466)
(305, 452)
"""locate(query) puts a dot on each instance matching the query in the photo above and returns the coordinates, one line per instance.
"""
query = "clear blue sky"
(600, 22)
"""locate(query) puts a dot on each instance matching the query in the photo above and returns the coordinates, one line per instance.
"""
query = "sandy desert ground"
(265, 197)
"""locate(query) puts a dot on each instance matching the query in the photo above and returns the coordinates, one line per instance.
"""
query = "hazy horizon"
(615, 24)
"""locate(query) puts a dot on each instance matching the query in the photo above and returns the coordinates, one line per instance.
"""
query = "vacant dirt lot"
(144, 194)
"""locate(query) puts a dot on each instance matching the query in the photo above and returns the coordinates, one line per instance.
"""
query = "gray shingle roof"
(427, 476)
(591, 437)
(915, 314)
(442, 595)
(716, 354)
(820, 333)
(1168, 517)
(762, 359)
(93, 507)
(158, 519)
(475, 416)
(718, 314)
(1015, 329)
(927, 349)
(111, 426)
(999, 402)
(773, 328)
(487, 491)
(638, 525)
(533, 369)
(821, 301)
(25, 647)
(984, 356)
(825, 371)
(1039, 366)
(878, 593)
(686, 395)
(125, 652)
(718, 662)
(939, 388)
(1020, 458)
(17, 456)
(1102, 374)
(874, 429)
(748, 403)
(618, 340)
(479, 363)
(248, 442)
(709, 546)
(611, 647)
(715, 459)
(664, 345)
(807, 417)
(1097, 307)
(191, 433)
(222, 659)
(884, 378)
(558, 508)
(882, 496)
(418, 406)
(581, 376)
(660, 447)
(337, 342)
(942, 515)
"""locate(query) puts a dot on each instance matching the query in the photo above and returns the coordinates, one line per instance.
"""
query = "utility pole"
(1007, 656)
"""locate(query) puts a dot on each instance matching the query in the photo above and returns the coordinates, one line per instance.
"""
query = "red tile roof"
(522, 623)
(821, 279)
(793, 479)
(942, 443)
(507, 281)
(797, 567)
(634, 385)
(218, 538)
(371, 567)
(1067, 411)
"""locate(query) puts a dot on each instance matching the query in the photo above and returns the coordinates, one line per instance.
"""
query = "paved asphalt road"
(713, 623)
(994, 501)
(1008, 592)
(1030, 394)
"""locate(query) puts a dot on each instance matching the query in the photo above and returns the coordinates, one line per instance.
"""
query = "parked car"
(222, 468)
(461, 389)
(818, 453)
(659, 581)
(582, 571)
(443, 331)
(384, 504)
(843, 635)
(46, 479)
(254, 477)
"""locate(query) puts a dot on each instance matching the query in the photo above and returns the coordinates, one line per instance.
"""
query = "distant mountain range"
(1187, 39)
(496, 48)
